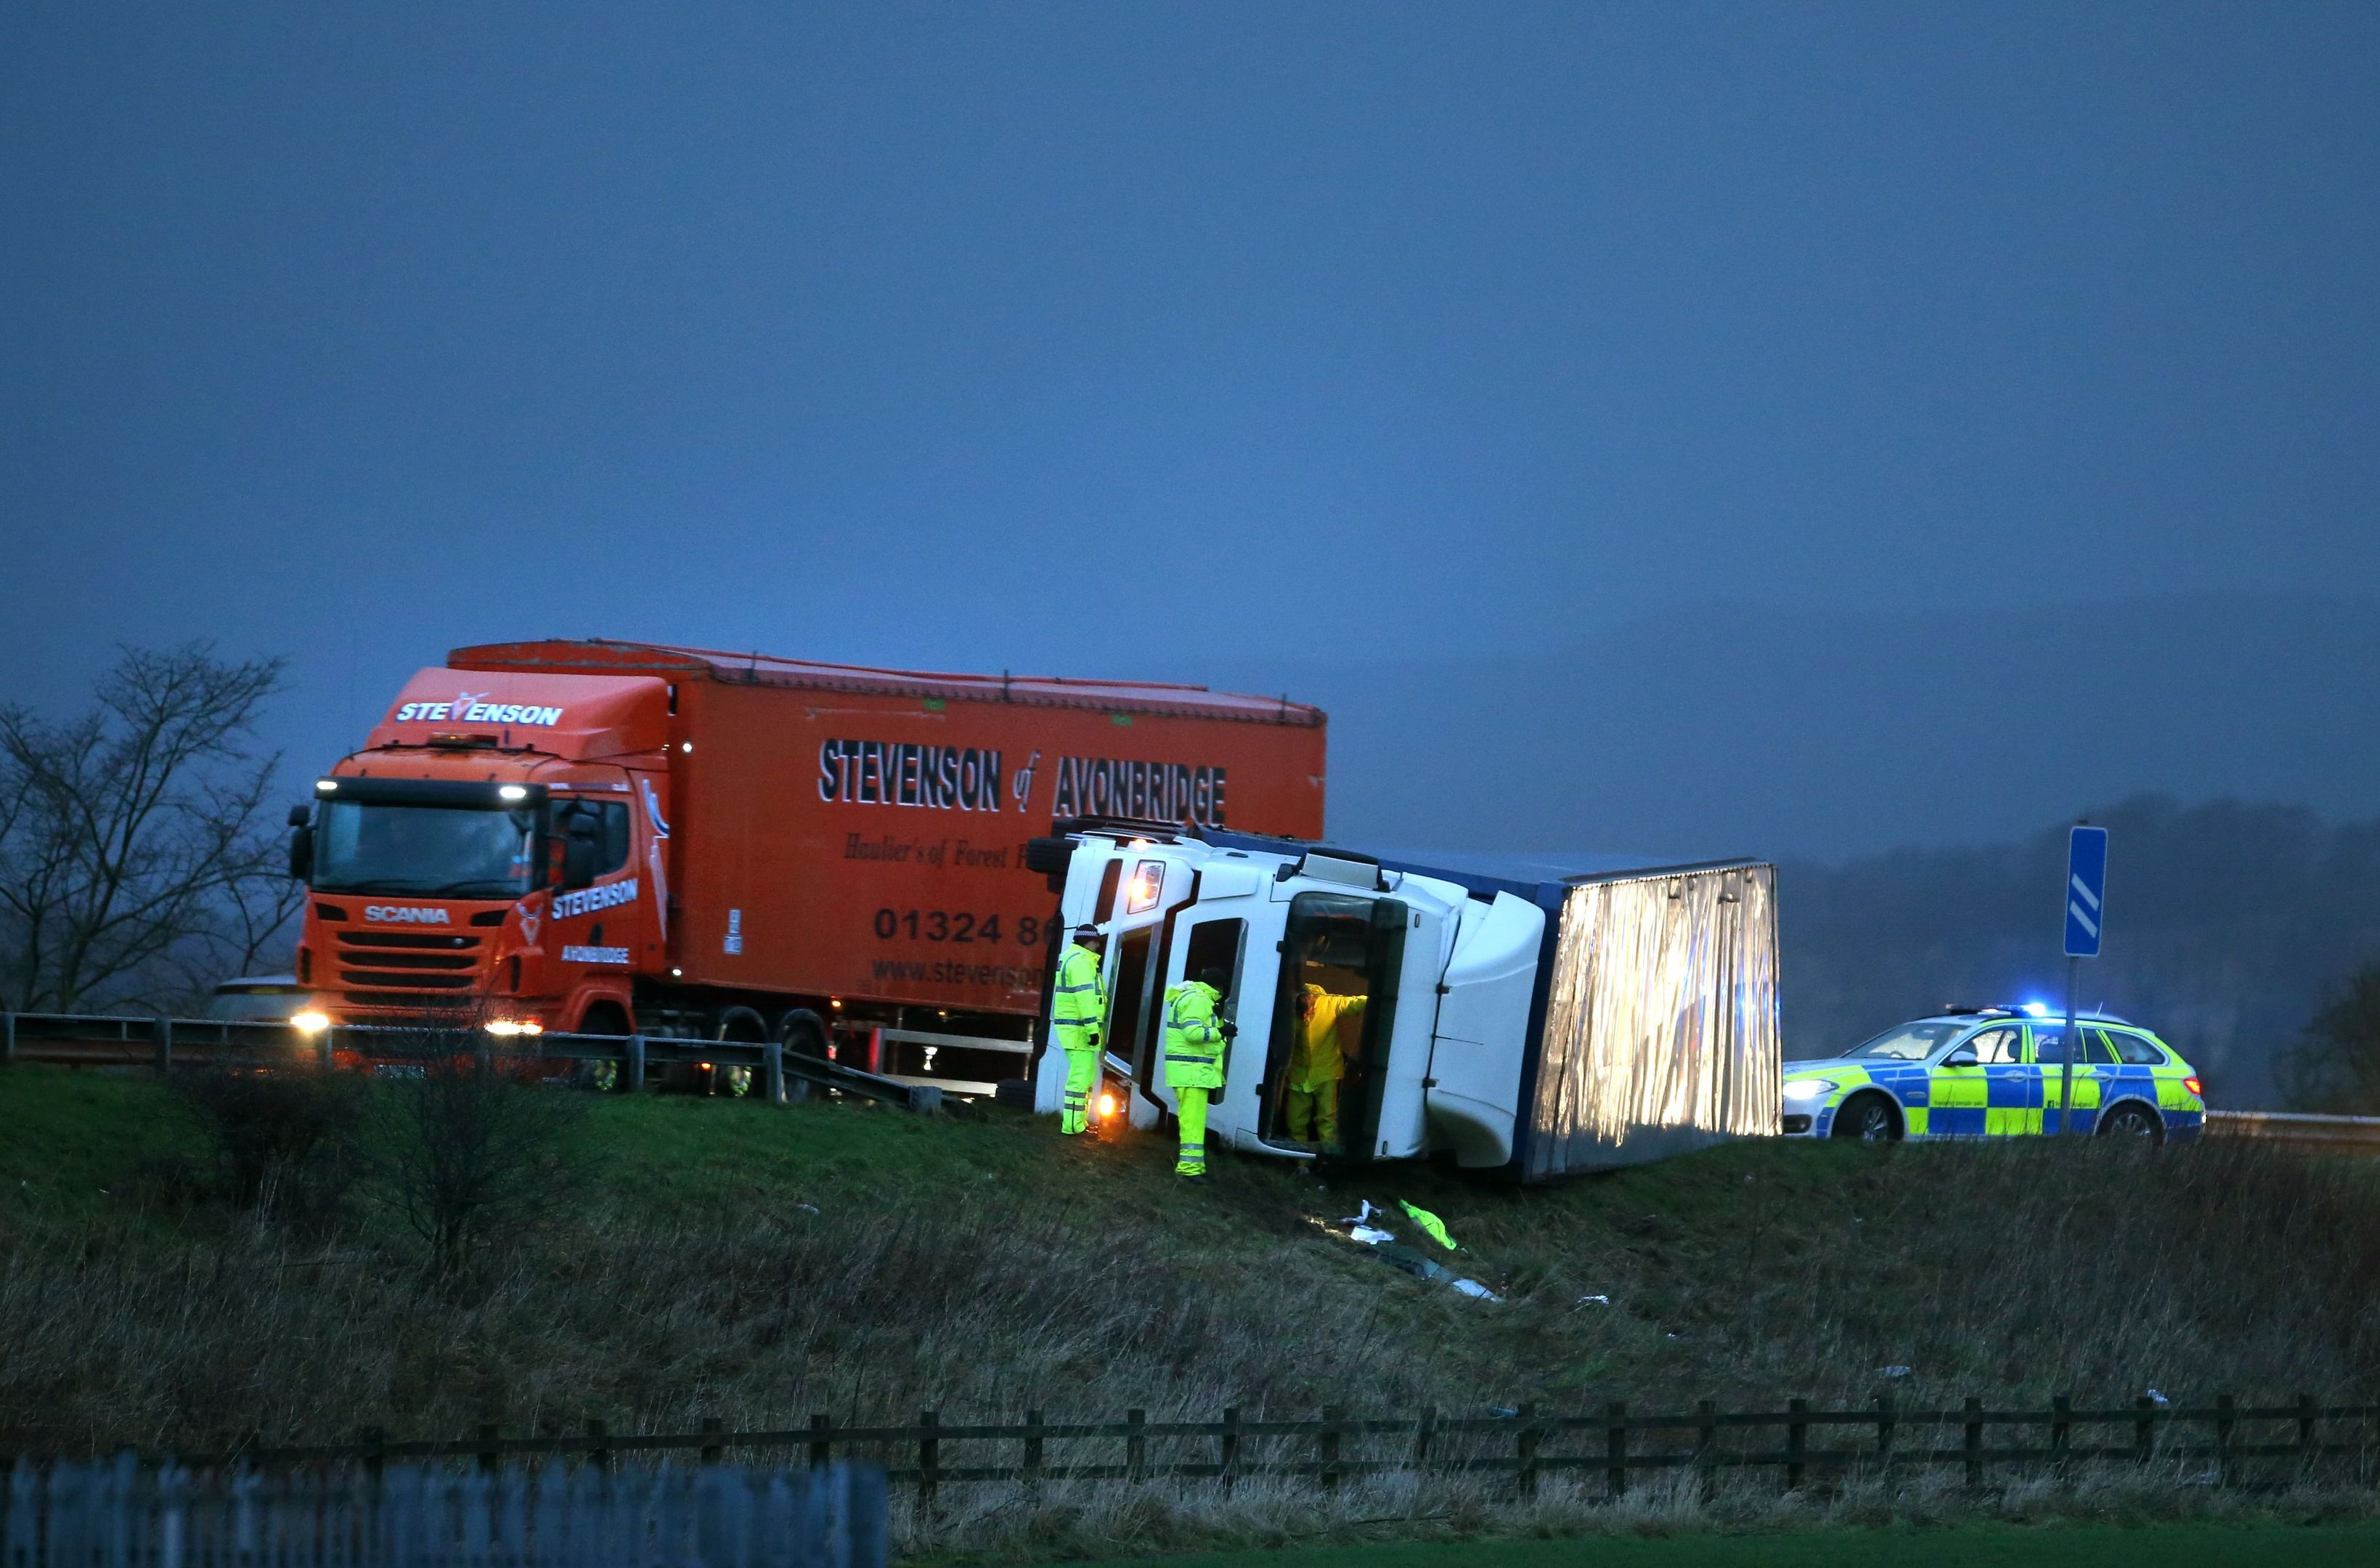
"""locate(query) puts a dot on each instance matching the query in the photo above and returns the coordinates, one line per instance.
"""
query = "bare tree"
(137, 853)
(467, 1146)
(2336, 1066)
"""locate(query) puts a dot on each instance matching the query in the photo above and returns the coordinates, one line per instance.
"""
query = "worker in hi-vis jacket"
(1079, 1012)
(1315, 1064)
(1195, 1045)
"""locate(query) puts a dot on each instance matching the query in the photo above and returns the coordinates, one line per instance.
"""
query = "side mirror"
(301, 847)
(1963, 1057)
(300, 814)
(579, 847)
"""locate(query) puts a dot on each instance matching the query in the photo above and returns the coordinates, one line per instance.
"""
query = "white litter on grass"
(1369, 1235)
(1595, 1301)
(810, 1207)
(1474, 1288)
(2156, 1398)
(1892, 1371)
(1363, 1219)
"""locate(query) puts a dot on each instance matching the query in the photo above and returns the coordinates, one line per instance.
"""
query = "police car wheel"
(2131, 1121)
(1868, 1117)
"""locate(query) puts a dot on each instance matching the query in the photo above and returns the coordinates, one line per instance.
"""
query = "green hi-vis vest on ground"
(1079, 1001)
(1193, 1037)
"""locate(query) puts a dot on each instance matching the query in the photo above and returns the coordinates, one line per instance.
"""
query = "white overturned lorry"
(1543, 1023)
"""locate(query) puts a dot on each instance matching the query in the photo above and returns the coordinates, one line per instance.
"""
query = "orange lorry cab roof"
(576, 716)
(595, 654)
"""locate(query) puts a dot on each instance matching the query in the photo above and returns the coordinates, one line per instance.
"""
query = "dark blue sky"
(1179, 342)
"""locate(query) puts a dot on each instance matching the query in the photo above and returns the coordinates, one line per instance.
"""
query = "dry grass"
(776, 1263)
(1003, 1524)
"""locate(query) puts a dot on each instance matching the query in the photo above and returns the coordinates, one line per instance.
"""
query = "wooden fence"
(2228, 1442)
(125, 1515)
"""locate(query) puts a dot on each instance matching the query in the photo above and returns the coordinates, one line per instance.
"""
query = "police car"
(1996, 1071)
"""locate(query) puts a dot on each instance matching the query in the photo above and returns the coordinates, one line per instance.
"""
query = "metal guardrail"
(94, 1040)
(2298, 1127)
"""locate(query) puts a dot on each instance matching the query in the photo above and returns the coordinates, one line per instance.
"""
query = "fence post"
(712, 1448)
(599, 1452)
(164, 1035)
(1229, 1454)
(7, 1039)
(1327, 1447)
(1884, 1429)
(1135, 1446)
(2308, 1413)
(2144, 1428)
(2061, 1429)
(2225, 1423)
(1032, 1466)
(487, 1454)
(373, 1441)
(929, 1457)
(1615, 1448)
(1524, 1451)
(821, 1445)
(1423, 1432)
(636, 1063)
(1706, 1445)
(1797, 1443)
(1974, 1444)
(773, 1070)
(323, 1047)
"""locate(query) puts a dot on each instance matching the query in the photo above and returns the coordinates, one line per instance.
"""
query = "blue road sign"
(2086, 891)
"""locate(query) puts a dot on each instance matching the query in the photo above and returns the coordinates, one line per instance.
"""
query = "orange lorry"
(606, 837)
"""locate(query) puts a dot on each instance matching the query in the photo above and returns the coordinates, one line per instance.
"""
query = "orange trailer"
(604, 838)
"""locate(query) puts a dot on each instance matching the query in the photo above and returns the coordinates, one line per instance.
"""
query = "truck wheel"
(603, 1077)
(1868, 1117)
(742, 1025)
(803, 1033)
(2131, 1121)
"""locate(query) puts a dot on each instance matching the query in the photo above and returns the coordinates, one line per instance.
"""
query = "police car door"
(1989, 1070)
(2049, 1072)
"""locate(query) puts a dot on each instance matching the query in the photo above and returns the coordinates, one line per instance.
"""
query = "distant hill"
(1825, 742)
(2227, 924)
(1743, 730)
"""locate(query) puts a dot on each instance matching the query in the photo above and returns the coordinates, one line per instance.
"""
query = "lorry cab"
(496, 853)
(1291, 930)
(1538, 1021)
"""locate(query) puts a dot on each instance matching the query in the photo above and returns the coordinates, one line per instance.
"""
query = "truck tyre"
(803, 1033)
(2132, 1122)
(742, 1025)
(1868, 1117)
(603, 1077)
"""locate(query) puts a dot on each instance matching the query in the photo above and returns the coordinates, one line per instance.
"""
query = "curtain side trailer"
(605, 836)
(1542, 1025)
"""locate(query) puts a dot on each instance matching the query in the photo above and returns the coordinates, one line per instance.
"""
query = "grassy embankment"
(755, 1264)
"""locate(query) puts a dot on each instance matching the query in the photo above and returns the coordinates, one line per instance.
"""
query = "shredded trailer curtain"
(1661, 1020)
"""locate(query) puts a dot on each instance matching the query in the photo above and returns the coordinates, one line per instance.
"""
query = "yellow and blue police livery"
(1996, 1071)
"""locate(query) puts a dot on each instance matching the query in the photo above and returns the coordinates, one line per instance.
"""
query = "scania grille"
(407, 969)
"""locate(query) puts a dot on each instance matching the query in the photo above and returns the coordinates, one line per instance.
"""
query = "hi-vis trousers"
(1082, 1076)
(1192, 1114)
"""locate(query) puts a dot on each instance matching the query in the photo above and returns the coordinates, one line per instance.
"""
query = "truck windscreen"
(462, 852)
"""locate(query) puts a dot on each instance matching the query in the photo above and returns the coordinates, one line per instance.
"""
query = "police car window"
(2049, 1045)
(1996, 1048)
(1905, 1043)
(2135, 1050)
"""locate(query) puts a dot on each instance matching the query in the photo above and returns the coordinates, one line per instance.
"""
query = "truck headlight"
(505, 1027)
(310, 1022)
(1809, 1089)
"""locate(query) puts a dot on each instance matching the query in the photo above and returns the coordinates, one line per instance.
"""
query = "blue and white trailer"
(1541, 1021)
